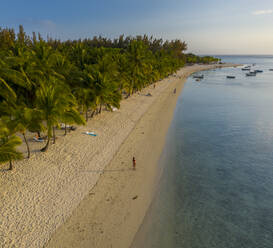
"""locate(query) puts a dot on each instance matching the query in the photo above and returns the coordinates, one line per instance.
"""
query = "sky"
(207, 26)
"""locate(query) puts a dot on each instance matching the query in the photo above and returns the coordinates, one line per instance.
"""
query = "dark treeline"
(47, 82)
(193, 59)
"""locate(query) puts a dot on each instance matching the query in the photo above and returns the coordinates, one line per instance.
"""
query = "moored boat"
(231, 77)
(251, 74)
(258, 71)
(199, 76)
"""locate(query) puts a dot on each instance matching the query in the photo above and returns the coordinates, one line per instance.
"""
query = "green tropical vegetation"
(193, 59)
(8, 143)
(47, 82)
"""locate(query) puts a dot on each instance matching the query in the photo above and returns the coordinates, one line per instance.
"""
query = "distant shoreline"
(110, 215)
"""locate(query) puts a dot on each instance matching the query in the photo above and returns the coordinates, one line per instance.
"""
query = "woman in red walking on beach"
(134, 163)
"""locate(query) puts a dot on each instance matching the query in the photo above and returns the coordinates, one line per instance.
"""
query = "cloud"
(263, 12)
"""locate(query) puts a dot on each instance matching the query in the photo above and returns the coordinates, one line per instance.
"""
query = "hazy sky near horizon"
(208, 26)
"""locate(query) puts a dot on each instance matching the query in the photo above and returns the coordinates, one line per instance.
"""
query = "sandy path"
(41, 193)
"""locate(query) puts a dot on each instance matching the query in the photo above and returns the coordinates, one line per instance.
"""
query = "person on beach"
(174, 91)
(134, 163)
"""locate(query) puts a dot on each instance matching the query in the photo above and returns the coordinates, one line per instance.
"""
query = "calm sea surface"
(216, 188)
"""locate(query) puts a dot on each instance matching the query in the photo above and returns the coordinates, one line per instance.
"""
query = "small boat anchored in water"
(258, 71)
(251, 73)
(231, 77)
(198, 76)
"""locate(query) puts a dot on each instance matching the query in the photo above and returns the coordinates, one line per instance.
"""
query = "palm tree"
(106, 91)
(50, 103)
(71, 116)
(6, 90)
(123, 73)
(137, 63)
(8, 144)
(79, 55)
(19, 71)
(21, 121)
(44, 59)
(85, 98)
(55, 103)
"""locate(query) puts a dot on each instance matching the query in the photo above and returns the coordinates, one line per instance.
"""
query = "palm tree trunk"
(54, 136)
(100, 108)
(129, 93)
(28, 151)
(93, 113)
(10, 165)
(86, 115)
(44, 149)
(65, 129)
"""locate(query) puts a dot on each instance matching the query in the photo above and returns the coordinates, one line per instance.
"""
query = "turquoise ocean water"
(216, 189)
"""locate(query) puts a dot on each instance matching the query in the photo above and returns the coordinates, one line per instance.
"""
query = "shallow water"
(217, 185)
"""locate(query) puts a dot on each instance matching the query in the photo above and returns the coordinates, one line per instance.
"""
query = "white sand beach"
(80, 193)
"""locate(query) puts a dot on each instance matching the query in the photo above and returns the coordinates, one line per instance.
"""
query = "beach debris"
(135, 197)
(149, 94)
(90, 133)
